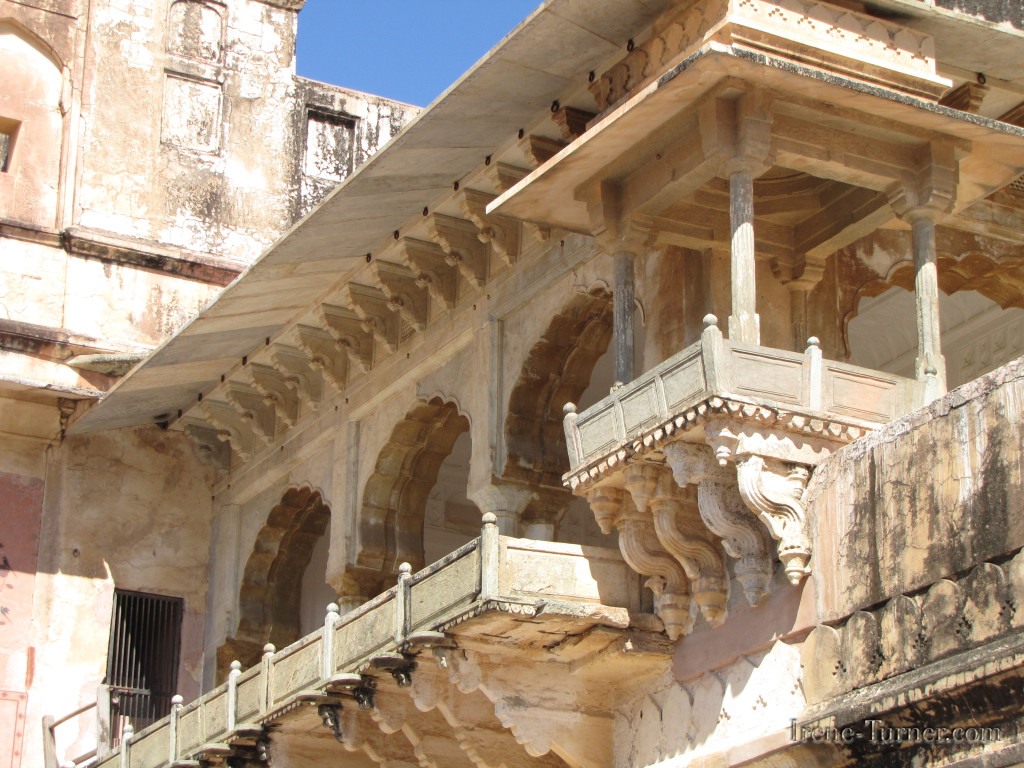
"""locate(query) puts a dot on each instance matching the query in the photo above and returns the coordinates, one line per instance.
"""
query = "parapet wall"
(928, 496)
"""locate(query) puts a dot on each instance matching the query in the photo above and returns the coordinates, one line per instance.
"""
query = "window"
(142, 660)
(8, 133)
(330, 145)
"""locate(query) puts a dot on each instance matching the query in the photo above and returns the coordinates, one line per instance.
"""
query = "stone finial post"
(489, 556)
(330, 620)
(126, 745)
(267, 669)
(402, 606)
(172, 727)
(816, 366)
(233, 675)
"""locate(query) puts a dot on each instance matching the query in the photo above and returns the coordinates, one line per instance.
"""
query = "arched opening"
(274, 583)
(571, 362)
(977, 335)
(31, 126)
(424, 464)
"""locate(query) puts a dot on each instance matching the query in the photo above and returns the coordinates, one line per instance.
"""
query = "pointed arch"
(556, 371)
(998, 279)
(268, 600)
(394, 499)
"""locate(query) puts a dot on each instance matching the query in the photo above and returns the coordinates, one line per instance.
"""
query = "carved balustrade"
(701, 463)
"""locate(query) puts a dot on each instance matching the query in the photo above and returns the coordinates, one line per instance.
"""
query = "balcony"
(533, 595)
(704, 459)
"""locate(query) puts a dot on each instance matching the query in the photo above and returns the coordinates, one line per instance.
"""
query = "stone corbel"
(404, 292)
(428, 262)
(504, 177)
(774, 491)
(684, 536)
(276, 392)
(375, 312)
(252, 407)
(722, 509)
(325, 355)
(642, 551)
(349, 332)
(462, 246)
(231, 427)
(500, 231)
(300, 373)
(207, 444)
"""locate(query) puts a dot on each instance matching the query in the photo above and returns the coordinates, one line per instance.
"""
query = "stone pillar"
(622, 318)
(931, 365)
(506, 502)
(744, 324)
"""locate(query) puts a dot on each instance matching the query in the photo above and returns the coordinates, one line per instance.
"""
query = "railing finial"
(269, 649)
(710, 319)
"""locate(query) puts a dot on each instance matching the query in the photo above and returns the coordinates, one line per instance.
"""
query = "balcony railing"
(714, 367)
(490, 573)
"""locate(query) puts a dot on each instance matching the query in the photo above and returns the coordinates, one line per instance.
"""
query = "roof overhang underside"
(535, 64)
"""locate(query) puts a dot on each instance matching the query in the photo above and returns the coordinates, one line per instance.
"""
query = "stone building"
(149, 152)
(654, 397)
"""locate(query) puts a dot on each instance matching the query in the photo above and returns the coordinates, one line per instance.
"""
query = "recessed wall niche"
(192, 113)
(195, 30)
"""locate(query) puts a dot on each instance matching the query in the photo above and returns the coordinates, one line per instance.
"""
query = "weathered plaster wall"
(127, 509)
(927, 496)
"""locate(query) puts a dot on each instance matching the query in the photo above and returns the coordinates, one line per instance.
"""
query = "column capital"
(615, 229)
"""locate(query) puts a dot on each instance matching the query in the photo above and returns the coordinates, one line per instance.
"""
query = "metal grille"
(1017, 185)
(142, 661)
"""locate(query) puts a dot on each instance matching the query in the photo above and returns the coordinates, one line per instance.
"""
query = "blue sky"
(407, 50)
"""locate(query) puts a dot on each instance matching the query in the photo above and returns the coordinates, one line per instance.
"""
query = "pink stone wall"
(21, 503)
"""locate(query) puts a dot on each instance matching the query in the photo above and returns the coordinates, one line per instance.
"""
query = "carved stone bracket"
(504, 177)
(500, 231)
(681, 532)
(774, 491)
(325, 355)
(723, 511)
(404, 293)
(275, 390)
(231, 427)
(375, 312)
(207, 443)
(462, 246)
(644, 553)
(252, 407)
(300, 373)
(349, 331)
(433, 272)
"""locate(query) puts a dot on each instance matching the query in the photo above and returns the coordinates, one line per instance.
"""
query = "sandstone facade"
(654, 397)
